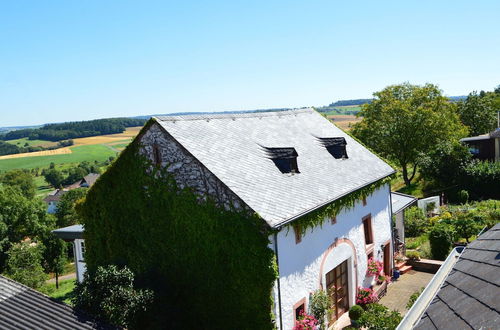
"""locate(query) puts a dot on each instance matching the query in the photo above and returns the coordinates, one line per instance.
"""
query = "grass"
(63, 294)
(341, 110)
(43, 188)
(414, 243)
(79, 154)
(32, 143)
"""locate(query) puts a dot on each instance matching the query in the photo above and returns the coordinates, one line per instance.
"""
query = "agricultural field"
(32, 143)
(90, 149)
(344, 122)
(340, 110)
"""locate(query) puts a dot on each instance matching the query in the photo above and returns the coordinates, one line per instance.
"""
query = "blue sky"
(77, 60)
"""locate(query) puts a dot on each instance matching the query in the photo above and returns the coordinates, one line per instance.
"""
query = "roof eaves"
(295, 217)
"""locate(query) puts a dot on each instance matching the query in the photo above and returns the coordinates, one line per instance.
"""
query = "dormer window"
(336, 146)
(285, 159)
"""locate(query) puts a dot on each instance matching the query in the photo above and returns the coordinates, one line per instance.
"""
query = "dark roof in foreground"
(233, 148)
(70, 232)
(470, 296)
(24, 308)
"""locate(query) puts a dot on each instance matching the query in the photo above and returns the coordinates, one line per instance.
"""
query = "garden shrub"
(208, 267)
(482, 179)
(414, 298)
(379, 317)
(441, 239)
(415, 222)
(24, 264)
(320, 304)
(109, 295)
(413, 255)
(355, 312)
(305, 322)
(366, 296)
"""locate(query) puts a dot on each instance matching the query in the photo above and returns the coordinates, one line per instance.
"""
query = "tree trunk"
(57, 280)
(407, 179)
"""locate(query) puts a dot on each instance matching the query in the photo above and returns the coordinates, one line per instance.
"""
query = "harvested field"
(344, 121)
(129, 133)
(59, 151)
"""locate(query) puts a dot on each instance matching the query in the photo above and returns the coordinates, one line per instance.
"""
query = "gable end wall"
(186, 169)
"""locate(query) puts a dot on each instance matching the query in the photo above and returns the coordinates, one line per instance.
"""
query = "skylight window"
(336, 146)
(285, 159)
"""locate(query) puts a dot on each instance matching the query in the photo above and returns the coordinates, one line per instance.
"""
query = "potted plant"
(365, 296)
(306, 322)
(355, 313)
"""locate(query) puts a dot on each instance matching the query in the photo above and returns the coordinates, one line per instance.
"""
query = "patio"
(399, 292)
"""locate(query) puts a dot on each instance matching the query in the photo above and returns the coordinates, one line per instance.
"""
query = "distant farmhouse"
(55, 196)
(486, 146)
(321, 200)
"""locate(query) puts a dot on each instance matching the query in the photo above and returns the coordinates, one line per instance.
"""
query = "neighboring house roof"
(492, 135)
(469, 296)
(70, 232)
(54, 196)
(24, 308)
(232, 147)
(401, 201)
(89, 179)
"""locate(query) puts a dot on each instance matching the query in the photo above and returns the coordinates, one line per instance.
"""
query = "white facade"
(79, 253)
(51, 207)
(303, 266)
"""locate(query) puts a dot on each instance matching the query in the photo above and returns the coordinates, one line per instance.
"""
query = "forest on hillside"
(72, 130)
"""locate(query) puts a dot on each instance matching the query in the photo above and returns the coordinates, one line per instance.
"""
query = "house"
(24, 308)
(464, 293)
(89, 180)
(400, 202)
(484, 147)
(75, 234)
(55, 196)
(283, 166)
(52, 199)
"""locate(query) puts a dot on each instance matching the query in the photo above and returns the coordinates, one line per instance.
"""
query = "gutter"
(278, 281)
(279, 226)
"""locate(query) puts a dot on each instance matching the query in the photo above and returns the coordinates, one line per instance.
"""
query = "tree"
(20, 217)
(478, 112)
(109, 294)
(22, 179)
(415, 222)
(54, 254)
(53, 177)
(65, 212)
(24, 264)
(441, 239)
(405, 121)
(465, 225)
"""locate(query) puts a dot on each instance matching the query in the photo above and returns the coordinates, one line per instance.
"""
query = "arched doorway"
(339, 276)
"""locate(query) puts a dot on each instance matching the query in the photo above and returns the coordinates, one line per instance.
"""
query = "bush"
(319, 305)
(482, 179)
(366, 296)
(441, 239)
(413, 255)
(109, 295)
(414, 298)
(24, 264)
(305, 322)
(379, 317)
(415, 222)
(355, 312)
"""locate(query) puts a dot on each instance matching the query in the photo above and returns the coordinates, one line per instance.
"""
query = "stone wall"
(187, 171)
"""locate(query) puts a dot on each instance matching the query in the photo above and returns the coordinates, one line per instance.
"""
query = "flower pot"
(395, 274)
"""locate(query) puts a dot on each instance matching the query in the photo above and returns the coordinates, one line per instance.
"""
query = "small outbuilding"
(75, 234)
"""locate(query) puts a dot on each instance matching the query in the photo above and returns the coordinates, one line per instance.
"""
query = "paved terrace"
(399, 292)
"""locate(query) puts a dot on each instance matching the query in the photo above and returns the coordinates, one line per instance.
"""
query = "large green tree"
(24, 264)
(65, 213)
(479, 112)
(53, 177)
(22, 179)
(405, 121)
(20, 218)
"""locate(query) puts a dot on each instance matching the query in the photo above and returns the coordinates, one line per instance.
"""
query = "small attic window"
(285, 159)
(336, 146)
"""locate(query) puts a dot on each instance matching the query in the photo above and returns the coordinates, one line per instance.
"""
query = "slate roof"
(401, 201)
(25, 308)
(90, 179)
(232, 147)
(470, 296)
(54, 196)
(70, 232)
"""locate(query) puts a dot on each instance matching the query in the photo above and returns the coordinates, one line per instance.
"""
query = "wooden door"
(336, 283)
(387, 259)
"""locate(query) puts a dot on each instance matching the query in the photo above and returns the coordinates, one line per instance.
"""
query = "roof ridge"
(241, 114)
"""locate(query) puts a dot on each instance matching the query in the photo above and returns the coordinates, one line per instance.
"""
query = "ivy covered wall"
(209, 266)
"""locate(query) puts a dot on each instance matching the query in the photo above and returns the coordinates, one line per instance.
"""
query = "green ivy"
(318, 217)
(208, 267)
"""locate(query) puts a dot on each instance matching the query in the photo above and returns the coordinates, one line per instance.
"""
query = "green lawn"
(42, 187)
(341, 110)
(32, 143)
(79, 154)
(63, 294)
